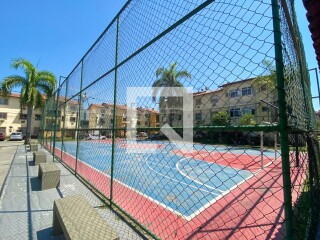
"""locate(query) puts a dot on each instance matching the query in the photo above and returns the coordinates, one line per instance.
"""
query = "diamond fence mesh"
(249, 166)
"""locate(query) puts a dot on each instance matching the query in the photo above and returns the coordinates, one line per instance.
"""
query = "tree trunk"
(29, 119)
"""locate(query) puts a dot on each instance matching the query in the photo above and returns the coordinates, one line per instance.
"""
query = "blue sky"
(56, 34)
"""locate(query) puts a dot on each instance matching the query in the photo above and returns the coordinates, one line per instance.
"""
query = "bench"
(78, 220)
(39, 157)
(33, 147)
(49, 174)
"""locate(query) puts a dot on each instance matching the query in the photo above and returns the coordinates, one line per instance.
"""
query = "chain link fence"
(250, 170)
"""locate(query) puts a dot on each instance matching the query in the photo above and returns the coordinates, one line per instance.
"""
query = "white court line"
(158, 164)
(174, 180)
(205, 163)
(194, 179)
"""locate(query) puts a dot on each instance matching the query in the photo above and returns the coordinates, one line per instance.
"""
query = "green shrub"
(247, 119)
(220, 119)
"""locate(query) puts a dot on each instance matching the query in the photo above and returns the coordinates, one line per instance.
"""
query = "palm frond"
(173, 67)
(11, 82)
(160, 71)
(47, 77)
(24, 64)
(182, 74)
(39, 101)
(45, 88)
(158, 83)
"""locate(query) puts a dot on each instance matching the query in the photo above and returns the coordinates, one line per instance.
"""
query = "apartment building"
(13, 118)
(235, 98)
(67, 117)
(101, 116)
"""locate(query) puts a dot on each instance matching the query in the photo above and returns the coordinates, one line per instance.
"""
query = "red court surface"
(253, 210)
(237, 161)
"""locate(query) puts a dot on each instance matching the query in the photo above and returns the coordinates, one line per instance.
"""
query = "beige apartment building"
(14, 119)
(67, 117)
(236, 98)
(101, 116)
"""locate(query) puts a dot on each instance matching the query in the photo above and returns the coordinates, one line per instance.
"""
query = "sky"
(54, 35)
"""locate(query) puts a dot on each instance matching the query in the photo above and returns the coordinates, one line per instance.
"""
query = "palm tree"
(168, 78)
(35, 86)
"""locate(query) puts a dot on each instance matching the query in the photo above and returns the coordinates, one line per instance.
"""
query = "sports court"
(191, 177)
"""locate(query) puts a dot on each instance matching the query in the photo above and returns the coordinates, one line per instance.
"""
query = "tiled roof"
(313, 16)
(206, 92)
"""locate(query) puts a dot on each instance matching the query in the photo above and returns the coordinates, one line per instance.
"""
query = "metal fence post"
(283, 124)
(114, 124)
(41, 132)
(64, 117)
(78, 126)
(57, 94)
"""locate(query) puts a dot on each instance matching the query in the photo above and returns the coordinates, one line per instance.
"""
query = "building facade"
(14, 119)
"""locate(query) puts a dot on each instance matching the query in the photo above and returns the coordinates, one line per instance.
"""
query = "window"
(38, 117)
(3, 115)
(138, 123)
(235, 112)
(23, 116)
(214, 100)
(265, 109)
(36, 130)
(2, 130)
(146, 123)
(198, 101)
(246, 91)
(147, 115)
(4, 101)
(248, 111)
(62, 118)
(73, 108)
(234, 93)
(263, 87)
(72, 119)
(198, 116)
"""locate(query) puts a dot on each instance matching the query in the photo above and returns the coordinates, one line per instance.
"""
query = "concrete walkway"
(26, 212)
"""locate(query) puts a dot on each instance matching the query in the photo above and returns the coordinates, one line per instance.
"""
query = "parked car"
(2, 136)
(142, 135)
(16, 136)
(157, 137)
(95, 137)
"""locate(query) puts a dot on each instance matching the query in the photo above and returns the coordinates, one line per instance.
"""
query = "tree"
(35, 87)
(269, 83)
(169, 78)
(221, 119)
(247, 119)
(269, 80)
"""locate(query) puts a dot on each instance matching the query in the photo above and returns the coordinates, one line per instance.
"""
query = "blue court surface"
(184, 185)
